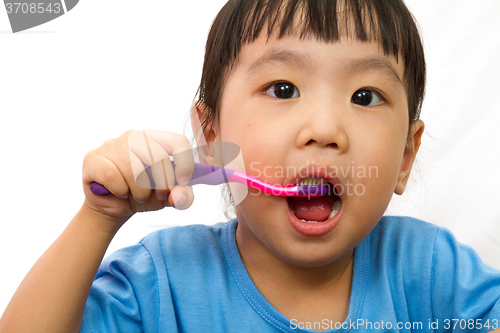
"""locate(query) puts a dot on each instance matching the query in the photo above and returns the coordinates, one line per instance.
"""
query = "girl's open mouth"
(315, 216)
(316, 210)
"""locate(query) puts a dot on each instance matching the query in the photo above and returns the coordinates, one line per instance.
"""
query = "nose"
(324, 125)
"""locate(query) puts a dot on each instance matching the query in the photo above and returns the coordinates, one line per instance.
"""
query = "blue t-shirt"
(409, 276)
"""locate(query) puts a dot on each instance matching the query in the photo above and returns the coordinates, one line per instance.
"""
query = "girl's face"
(303, 108)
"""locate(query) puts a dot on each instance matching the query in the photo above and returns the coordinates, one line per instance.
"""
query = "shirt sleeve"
(124, 295)
(465, 292)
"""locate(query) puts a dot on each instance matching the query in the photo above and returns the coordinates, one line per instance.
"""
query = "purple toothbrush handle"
(202, 174)
(99, 189)
(209, 175)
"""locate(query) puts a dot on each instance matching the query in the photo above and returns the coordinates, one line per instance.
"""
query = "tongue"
(312, 209)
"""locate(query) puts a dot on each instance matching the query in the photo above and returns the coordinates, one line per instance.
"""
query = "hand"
(119, 165)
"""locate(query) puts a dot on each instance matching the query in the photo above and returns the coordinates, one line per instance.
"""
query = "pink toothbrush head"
(310, 191)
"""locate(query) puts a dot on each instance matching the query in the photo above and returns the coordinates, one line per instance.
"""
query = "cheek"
(384, 162)
(261, 152)
(384, 146)
(265, 166)
(378, 164)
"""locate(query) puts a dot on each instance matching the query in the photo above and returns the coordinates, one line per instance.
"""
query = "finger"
(154, 149)
(181, 197)
(162, 172)
(99, 168)
(163, 176)
(175, 145)
(141, 144)
(137, 178)
(150, 153)
(127, 164)
(156, 157)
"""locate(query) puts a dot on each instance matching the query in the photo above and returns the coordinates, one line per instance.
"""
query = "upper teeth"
(312, 181)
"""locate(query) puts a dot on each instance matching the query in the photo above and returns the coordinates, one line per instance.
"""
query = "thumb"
(181, 197)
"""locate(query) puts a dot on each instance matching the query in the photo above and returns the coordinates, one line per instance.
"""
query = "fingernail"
(180, 201)
(184, 180)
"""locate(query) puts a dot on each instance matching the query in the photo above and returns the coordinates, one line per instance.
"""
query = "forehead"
(348, 55)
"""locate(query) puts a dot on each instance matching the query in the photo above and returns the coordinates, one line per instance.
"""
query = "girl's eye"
(366, 97)
(283, 90)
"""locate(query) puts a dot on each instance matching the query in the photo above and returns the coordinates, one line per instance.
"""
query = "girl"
(310, 91)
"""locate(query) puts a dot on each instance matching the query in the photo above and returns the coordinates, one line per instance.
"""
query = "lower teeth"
(309, 221)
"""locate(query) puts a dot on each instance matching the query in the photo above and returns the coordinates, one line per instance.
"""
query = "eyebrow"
(286, 57)
(295, 59)
(373, 64)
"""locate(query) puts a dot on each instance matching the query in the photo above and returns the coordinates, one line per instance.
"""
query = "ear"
(199, 113)
(410, 152)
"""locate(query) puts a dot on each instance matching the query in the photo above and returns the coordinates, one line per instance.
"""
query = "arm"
(53, 294)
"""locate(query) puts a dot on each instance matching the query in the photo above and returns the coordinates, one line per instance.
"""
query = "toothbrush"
(212, 175)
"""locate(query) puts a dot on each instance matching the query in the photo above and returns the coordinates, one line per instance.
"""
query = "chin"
(316, 255)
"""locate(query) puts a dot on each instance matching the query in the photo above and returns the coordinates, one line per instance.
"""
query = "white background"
(109, 66)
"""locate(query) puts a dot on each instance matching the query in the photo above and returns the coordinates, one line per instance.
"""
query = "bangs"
(325, 20)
